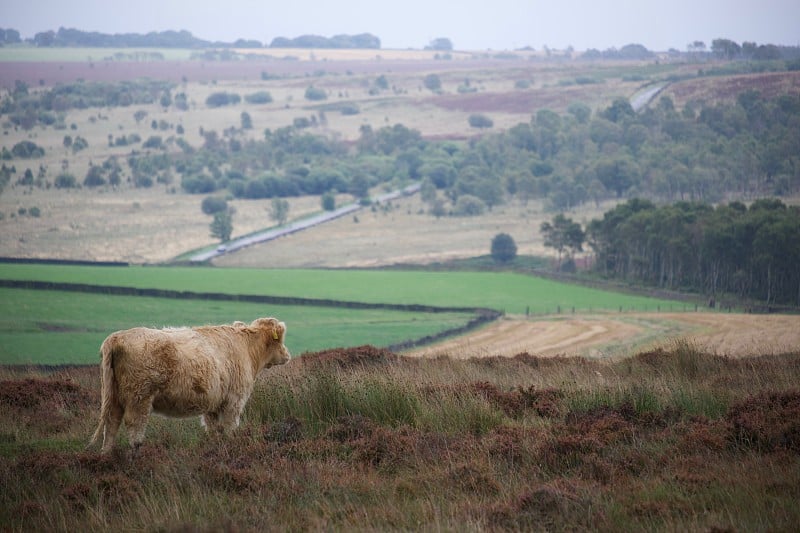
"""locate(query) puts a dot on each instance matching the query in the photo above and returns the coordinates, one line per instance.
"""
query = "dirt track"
(603, 336)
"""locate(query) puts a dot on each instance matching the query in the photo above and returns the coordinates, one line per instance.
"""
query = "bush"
(469, 206)
(433, 82)
(349, 109)
(260, 97)
(213, 204)
(480, 121)
(78, 144)
(27, 150)
(504, 249)
(35, 212)
(94, 177)
(222, 99)
(154, 141)
(313, 93)
(65, 181)
(198, 184)
(328, 201)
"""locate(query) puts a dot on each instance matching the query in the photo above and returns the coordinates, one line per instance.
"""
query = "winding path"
(639, 101)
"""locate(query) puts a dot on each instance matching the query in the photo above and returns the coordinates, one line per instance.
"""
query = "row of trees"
(182, 39)
(750, 251)
(362, 40)
(155, 39)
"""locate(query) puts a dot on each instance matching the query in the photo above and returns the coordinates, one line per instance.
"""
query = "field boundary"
(480, 317)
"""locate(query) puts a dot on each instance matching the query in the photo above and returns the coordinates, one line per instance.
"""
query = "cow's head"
(273, 332)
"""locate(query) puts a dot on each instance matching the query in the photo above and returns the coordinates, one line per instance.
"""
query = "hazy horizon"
(472, 25)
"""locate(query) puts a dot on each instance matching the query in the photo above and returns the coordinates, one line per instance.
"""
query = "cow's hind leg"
(211, 422)
(136, 420)
(111, 427)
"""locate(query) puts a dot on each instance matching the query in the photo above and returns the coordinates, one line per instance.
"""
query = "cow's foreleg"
(230, 415)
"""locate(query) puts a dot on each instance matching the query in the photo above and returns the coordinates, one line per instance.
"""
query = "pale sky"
(469, 24)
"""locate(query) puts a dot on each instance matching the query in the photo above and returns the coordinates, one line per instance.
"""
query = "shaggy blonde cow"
(207, 371)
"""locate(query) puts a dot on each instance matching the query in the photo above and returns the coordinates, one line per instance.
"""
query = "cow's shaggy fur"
(207, 371)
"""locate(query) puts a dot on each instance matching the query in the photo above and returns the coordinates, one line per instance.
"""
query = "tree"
(213, 204)
(468, 205)
(563, 234)
(478, 120)
(440, 43)
(432, 82)
(222, 226)
(504, 249)
(279, 210)
(328, 201)
(166, 99)
(725, 48)
(315, 94)
(247, 121)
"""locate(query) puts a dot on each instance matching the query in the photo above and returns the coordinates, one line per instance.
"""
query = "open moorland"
(670, 439)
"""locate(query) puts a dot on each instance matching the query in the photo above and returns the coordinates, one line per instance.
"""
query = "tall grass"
(672, 439)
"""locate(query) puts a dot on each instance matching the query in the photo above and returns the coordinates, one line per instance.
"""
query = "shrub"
(35, 212)
(154, 141)
(198, 184)
(27, 150)
(328, 201)
(349, 109)
(260, 97)
(94, 177)
(313, 93)
(78, 144)
(480, 121)
(213, 204)
(222, 99)
(504, 249)
(469, 206)
(65, 181)
(432, 82)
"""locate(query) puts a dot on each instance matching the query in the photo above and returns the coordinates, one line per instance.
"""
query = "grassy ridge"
(512, 293)
(672, 440)
(52, 327)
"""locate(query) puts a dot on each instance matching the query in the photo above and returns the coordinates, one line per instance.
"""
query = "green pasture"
(77, 54)
(55, 327)
(508, 292)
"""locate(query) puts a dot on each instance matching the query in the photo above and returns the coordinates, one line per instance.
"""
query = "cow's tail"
(108, 390)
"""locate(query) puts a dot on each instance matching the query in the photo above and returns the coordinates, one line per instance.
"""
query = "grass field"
(512, 293)
(54, 328)
(78, 54)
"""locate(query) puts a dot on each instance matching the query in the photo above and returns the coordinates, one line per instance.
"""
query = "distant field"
(512, 293)
(77, 54)
(54, 327)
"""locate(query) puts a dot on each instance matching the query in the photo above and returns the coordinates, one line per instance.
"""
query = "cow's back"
(178, 368)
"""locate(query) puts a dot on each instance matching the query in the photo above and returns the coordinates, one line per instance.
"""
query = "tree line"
(65, 37)
(751, 252)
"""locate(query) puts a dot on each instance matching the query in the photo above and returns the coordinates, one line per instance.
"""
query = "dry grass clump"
(364, 439)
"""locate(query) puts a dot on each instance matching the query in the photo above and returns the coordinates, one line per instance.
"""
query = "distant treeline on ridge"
(65, 37)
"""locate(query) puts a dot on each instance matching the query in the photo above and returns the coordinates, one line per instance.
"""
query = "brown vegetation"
(364, 439)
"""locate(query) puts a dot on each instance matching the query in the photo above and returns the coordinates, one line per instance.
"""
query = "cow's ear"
(279, 331)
